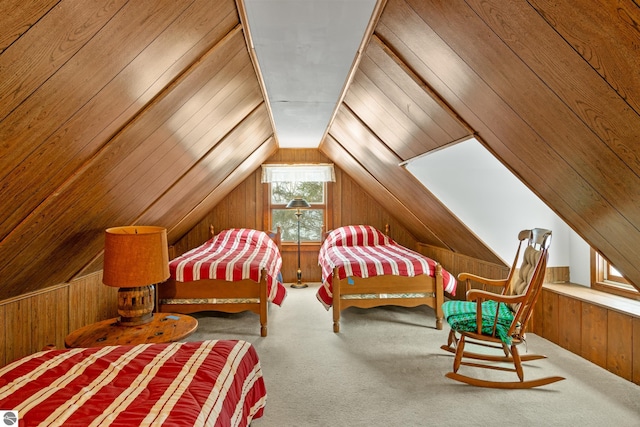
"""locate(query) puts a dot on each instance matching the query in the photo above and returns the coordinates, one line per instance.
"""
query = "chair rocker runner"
(499, 320)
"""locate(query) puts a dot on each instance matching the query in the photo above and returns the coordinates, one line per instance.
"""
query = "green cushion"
(461, 316)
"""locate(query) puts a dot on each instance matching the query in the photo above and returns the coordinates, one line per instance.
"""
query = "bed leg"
(336, 326)
(263, 330)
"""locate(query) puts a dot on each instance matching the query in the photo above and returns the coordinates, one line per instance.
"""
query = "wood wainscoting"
(33, 321)
(602, 328)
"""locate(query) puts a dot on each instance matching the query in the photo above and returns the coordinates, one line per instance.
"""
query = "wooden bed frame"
(379, 291)
(217, 294)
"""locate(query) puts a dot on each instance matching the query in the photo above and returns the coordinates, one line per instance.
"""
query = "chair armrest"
(481, 295)
(491, 282)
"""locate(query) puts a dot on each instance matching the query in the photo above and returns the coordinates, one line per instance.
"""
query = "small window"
(606, 278)
(286, 182)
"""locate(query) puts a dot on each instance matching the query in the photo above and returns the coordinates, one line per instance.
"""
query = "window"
(287, 182)
(606, 278)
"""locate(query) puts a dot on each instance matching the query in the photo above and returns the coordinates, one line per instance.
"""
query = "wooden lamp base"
(135, 305)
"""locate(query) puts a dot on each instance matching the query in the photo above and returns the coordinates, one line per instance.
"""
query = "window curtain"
(319, 172)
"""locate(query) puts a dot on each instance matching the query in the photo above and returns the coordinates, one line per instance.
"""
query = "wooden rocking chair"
(499, 320)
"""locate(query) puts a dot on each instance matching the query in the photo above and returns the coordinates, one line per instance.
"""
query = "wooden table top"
(165, 327)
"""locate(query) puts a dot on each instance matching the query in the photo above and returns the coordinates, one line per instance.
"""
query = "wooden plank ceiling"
(143, 112)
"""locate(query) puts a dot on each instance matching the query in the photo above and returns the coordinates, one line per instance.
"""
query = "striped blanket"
(232, 255)
(363, 251)
(208, 383)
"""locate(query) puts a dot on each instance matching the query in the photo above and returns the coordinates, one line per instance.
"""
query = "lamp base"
(299, 284)
(135, 305)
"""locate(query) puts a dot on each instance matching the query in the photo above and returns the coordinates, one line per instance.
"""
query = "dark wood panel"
(569, 321)
(594, 334)
(507, 135)
(383, 165)
(85, 118)
(635, 339)
(123, 180)
(212, 169)
(619, 345)
(47, 49)
(385, 197)
(550, 319)
(208, 212)
(387, 121)
(605, 34)
(23, 15)
(399, 106)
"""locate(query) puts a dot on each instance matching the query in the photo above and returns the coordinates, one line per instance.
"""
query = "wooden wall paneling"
(124, 189)
(24, 15)
(386, 198)
(594, 334)
(212, 168)
(104, 301)
(239, 174)
(3, 335)
(505, 81)
(619, 344)
(76, 118)
(397, 108)
(611, 56)
(442, 123)
(635, 350)
(569, 323)
(47, 48)
(18, 331)
(536, 324)
(383, 165)
(550, 320)
(50, 318)
(430, 57)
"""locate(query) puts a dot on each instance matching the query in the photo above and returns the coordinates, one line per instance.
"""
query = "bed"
(236, 270)
(203, 383)
(362, 267)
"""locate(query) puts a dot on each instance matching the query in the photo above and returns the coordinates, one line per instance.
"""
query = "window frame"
(605, 280)
(269, 207)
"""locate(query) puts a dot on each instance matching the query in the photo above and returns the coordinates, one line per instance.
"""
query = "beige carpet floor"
(386, 368)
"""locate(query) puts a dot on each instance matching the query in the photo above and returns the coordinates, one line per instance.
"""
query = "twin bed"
(236, 270)
(362, 267)
(208, 383)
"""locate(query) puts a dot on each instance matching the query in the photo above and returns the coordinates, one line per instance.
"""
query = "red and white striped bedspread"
(363, 251)
(208, 383)
(232, 255)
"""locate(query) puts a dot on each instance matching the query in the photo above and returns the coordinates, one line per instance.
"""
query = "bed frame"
(377, 291)
(217, 294)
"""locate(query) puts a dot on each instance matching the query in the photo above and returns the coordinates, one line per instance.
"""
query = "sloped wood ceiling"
(129, 112)
(118, 112)
(550, 88)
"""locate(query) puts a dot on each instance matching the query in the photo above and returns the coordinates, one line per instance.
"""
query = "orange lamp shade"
(135, 256)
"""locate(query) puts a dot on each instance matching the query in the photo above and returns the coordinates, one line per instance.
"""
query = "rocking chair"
(499, 320)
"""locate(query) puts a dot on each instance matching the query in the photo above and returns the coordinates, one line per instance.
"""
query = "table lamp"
(135, 259)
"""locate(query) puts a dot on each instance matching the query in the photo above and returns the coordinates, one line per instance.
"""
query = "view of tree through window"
(311, 221)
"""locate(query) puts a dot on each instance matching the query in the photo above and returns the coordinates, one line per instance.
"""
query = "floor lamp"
(298, 204)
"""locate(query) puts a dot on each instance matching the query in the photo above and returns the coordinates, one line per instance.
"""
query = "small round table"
(163, 328)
